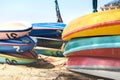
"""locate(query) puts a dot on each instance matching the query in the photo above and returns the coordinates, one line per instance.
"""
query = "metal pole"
(94, 5)
(58, 12)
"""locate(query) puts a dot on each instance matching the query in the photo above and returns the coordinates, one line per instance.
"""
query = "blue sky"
(37, 11)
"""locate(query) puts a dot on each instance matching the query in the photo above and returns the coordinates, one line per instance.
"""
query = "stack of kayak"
(113, 4)
(93, 41)
(15, 44)
(48, 36)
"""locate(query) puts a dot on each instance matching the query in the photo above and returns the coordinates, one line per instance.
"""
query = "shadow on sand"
(41, 63)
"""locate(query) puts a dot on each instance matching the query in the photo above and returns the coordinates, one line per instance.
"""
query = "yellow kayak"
(94, 24)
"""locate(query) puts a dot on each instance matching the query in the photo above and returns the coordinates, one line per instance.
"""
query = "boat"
(48, 30)
(106, 74)
(108, 68)
(98, 24)
(21, 44)
(104, 46)
(26, 54)
(93, 63)
(27, 57)
(49, 42)
(114, 4)
(93, 44)
(13, 30)
(49, 51)
(49, 46)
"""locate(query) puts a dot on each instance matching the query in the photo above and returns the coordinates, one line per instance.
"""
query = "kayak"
(21, 44)
(49, 51)
(104, 46)
(13, 30)
(93, 63)
(49, 30)
(93, 24)
(27, 57)
(49, 42)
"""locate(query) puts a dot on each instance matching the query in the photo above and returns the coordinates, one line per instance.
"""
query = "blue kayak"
(49, 30)
(21, 44)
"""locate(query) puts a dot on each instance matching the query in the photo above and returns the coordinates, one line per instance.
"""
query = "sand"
(46, 68)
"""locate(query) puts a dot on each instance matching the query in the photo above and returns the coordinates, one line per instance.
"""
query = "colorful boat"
(94, 24)
(104, 46)
(27, 57)
(49, 51)
(49, 42)
(49, 30)
(113, 4)
(93, 63)
(49, 46)
(21, 44)
(26, 54)
(13, 30)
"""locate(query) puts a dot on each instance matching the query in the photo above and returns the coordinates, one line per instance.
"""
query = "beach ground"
(46, 68)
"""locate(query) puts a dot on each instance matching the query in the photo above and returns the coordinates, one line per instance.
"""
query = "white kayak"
(12, 30)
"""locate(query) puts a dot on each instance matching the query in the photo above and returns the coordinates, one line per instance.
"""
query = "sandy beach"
(46, 68)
